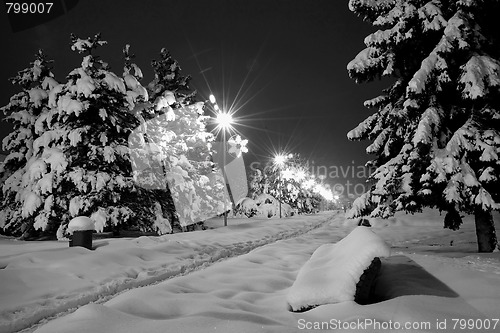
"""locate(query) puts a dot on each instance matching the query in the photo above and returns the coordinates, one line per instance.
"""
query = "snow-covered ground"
(433, 279)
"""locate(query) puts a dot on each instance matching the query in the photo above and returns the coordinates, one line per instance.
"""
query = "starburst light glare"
(279, 159)
(224, 120)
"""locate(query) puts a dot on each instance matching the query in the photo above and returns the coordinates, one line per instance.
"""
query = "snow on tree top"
(362, 60)
(114, 82)
(84, 45)
(37, 95)
(355, 5)
(479, 73)
(431, 16)
(456, 28)
(49, 83)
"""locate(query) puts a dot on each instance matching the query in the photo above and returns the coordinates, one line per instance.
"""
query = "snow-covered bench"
(333, 272)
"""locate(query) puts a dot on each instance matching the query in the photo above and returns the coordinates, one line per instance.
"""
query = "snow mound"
(332, 272)
(80, 223)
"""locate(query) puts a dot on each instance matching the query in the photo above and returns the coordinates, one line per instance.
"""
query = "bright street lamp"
(280, 160)
(224, 122)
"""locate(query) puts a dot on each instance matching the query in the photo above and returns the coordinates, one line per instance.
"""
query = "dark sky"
(282, 64)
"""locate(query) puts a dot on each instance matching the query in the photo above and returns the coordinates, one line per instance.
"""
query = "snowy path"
(433, 277)
(29, 294)
(241, 294)
(247, 293)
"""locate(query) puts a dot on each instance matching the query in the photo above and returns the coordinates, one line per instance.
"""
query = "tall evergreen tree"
(435, 133)
(79, 162)
(23, 111)
(178, 146)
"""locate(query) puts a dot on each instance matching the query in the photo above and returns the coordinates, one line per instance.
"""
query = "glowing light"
(288, 174)
(279, 159)
(224, 120)
(301, 174)
(212, 99)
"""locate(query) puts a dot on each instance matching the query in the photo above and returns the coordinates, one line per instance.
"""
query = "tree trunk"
(485, 231)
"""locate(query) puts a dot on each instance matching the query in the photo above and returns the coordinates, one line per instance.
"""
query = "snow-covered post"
(81, 228)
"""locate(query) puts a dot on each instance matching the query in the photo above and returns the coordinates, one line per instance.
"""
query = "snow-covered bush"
(247, 207)
(265, 199)
(267, 210)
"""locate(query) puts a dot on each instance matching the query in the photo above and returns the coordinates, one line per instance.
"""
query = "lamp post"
(224, 121)
(279, 160)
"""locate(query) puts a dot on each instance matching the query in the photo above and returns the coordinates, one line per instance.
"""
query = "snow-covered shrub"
(247, 207)
(286, 210)
(267, 210)
(264, 198)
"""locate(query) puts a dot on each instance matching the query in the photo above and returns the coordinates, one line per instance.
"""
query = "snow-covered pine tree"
(147, 167)
(80, 163)
(22, 111)
(294, 187)
(436, 129)
(177, 127)
(93, 107)
(255, 182)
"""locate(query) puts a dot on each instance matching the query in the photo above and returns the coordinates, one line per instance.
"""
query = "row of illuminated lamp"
(327, 194)
(225, 120)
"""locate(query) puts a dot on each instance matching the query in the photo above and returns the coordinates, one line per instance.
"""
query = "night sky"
(280, 64)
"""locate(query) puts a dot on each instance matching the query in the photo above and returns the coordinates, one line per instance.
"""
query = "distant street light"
(280, 160)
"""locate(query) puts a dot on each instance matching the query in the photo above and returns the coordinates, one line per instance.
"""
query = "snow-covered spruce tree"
(436, 129)
(294, 187)
(147, 164)
(80, 163)
(99, 172)
(255, 182)
(176, 127)
(22, 111)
